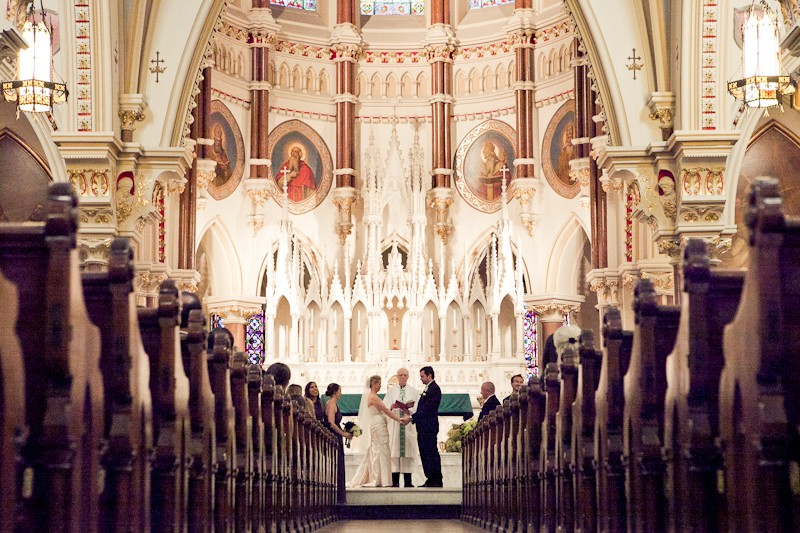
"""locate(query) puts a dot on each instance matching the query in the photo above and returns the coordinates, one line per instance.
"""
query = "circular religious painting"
(227, 150)
(557, 150)
(484, 156)
(302, 164)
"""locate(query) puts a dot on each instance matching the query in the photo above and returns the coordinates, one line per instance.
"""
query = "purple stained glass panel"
(254, 338)
(529, 343)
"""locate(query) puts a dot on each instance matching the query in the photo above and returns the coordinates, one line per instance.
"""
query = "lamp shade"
(763, 83)
(34, 90)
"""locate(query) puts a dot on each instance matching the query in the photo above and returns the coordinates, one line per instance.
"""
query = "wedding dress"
(375, 469)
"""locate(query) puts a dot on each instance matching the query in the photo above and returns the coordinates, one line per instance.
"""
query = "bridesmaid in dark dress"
(333, 417)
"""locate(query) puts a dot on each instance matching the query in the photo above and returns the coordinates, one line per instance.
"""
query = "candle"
(454, 320)
(431, 320)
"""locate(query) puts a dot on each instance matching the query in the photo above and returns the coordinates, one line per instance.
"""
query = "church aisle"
(408, 526)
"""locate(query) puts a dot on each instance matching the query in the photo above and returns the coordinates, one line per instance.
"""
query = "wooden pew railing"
(114, 418)
(688, 423)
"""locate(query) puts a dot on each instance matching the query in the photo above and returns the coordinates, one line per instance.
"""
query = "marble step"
(384, 496)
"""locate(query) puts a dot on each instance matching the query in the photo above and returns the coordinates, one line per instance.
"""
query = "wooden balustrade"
(118, 419)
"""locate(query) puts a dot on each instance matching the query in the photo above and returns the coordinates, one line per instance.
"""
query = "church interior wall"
(393, 80)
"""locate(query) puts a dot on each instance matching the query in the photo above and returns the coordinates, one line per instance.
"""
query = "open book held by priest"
(402, 406)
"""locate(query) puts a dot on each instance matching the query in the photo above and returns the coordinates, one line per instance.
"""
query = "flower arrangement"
(457, 433)
(351, 427)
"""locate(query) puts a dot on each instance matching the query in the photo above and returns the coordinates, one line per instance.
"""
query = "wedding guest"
(294, 390)
(281, 372)
(516, 383)
(333, 417)
(314, 401)
(490, 401)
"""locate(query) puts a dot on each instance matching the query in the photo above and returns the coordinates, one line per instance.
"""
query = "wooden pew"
(691, 418)
(583, 427)
(12, 405)
(244, 443)
(254, 387)
(521, 469)
(169, 388)
(124, 502)
(610, 405)
(202, 442)
(760, 382)
(64, 399)
(531, 453)
(645, 386)
(220, 344)
(268, 393)
(280, 503)
(565, 465)
(513, 502)
(549, 468)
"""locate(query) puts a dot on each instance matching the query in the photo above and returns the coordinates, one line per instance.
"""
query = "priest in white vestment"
(402, 439)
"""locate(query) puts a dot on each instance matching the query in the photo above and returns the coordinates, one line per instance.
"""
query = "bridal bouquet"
(351, 427)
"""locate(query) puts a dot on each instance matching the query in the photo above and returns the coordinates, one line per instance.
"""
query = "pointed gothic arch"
(224, 264)
(562, 267)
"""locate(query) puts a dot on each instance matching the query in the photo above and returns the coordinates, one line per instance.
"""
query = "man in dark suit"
(516, 383)
(490, 401)
(427, 421)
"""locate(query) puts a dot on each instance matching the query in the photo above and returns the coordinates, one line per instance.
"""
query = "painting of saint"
(301, 163)
(558, 151)
(483, 160)
(297, 176)
(222, 172)
(227, 151)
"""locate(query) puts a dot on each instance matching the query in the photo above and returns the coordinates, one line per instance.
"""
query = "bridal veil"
(364, 418)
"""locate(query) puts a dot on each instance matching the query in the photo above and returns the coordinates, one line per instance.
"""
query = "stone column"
(346, 51)
(439, 48)
(262, 36)
(551, 313)
(235, 314)
(188, 203)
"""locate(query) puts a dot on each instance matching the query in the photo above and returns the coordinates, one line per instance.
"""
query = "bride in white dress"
(375, 469)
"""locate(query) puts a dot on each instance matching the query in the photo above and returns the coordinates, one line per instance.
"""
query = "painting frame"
(552, 148)
(292, 133)
(222, 120)
(469, 151)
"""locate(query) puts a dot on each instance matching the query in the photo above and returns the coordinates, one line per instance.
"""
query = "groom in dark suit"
(427, 420)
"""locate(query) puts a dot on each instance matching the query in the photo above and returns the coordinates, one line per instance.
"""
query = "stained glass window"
(415, 7)
(216, 321)
(477, 4)
(308, 5)
(254, 338)
(529, 344)
(565, 322)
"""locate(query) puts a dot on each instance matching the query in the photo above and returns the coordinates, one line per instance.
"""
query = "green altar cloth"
(452, 405)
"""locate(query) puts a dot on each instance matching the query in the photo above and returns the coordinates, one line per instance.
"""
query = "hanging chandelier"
(763, 83)
(34, 90)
